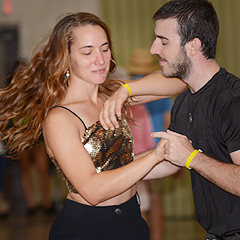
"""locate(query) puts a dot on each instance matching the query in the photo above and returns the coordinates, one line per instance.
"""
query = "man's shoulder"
(230, 82)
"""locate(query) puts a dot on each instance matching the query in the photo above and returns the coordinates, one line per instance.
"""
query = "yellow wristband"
(128, 88)
(190, 158)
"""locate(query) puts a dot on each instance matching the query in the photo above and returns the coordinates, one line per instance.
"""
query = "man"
(204, 117)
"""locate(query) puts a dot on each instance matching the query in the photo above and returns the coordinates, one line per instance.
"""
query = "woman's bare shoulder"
(59, 121)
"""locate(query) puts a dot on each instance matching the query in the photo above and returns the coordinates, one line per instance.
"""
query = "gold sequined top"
(108, 149)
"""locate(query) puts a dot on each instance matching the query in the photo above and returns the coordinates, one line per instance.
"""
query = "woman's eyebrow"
(90, 46)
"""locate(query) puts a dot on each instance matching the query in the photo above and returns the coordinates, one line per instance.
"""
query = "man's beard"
(181, 67)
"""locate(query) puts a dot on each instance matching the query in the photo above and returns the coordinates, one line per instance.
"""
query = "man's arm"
(224, 175)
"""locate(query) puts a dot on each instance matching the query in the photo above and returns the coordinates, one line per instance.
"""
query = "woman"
(62, 91)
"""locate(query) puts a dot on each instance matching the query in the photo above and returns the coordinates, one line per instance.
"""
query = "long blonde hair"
(41, 84)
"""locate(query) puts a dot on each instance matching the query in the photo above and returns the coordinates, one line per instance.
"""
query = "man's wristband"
(190, 158)
(128, 88)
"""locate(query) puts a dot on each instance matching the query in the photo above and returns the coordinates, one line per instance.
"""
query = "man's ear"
(194, 46)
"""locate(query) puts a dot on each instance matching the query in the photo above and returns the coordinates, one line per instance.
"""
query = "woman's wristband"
(128, 88)
(190, 158)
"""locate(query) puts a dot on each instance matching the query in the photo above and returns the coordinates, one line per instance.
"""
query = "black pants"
(119, 222)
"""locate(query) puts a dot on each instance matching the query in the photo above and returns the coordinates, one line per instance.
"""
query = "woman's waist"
(119, 199)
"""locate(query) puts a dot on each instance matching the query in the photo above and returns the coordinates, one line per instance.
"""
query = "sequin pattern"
(109, 149)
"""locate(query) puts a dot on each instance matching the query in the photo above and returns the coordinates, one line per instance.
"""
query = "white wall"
(35, 18)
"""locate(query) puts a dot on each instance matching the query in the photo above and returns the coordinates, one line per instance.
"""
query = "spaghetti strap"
(73, 114)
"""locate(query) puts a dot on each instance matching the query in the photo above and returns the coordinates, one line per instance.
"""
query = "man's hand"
(111, 110)
(177, 148)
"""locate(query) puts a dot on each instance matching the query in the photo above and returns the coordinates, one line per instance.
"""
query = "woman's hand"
(159, 151)
(111, 110)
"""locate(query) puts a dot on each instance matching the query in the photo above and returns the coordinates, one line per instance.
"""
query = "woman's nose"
(100, 58)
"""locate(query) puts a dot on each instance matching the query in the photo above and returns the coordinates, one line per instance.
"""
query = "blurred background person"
(160, 111)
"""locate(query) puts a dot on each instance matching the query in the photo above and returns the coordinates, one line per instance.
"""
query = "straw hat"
(141, 62)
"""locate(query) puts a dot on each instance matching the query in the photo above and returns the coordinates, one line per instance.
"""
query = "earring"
(67, 77)
(67, 74)
(113, 61)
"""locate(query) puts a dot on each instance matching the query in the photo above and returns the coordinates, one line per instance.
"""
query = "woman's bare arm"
(149, 88)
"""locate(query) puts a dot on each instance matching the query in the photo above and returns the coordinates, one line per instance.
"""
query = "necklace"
(190, 117)
(190, 114)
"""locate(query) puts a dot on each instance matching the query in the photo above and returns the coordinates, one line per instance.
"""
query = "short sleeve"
(230, 124)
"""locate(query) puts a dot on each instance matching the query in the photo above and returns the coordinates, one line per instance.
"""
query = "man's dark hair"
(196, 19)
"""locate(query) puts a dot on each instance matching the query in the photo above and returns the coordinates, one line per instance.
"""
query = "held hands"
(111, 110)
(159, 151)
(177, 147)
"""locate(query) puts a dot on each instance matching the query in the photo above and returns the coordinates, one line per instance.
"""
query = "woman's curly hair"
(41, 84)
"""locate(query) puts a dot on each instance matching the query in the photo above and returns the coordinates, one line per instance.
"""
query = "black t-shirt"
(214, 127)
